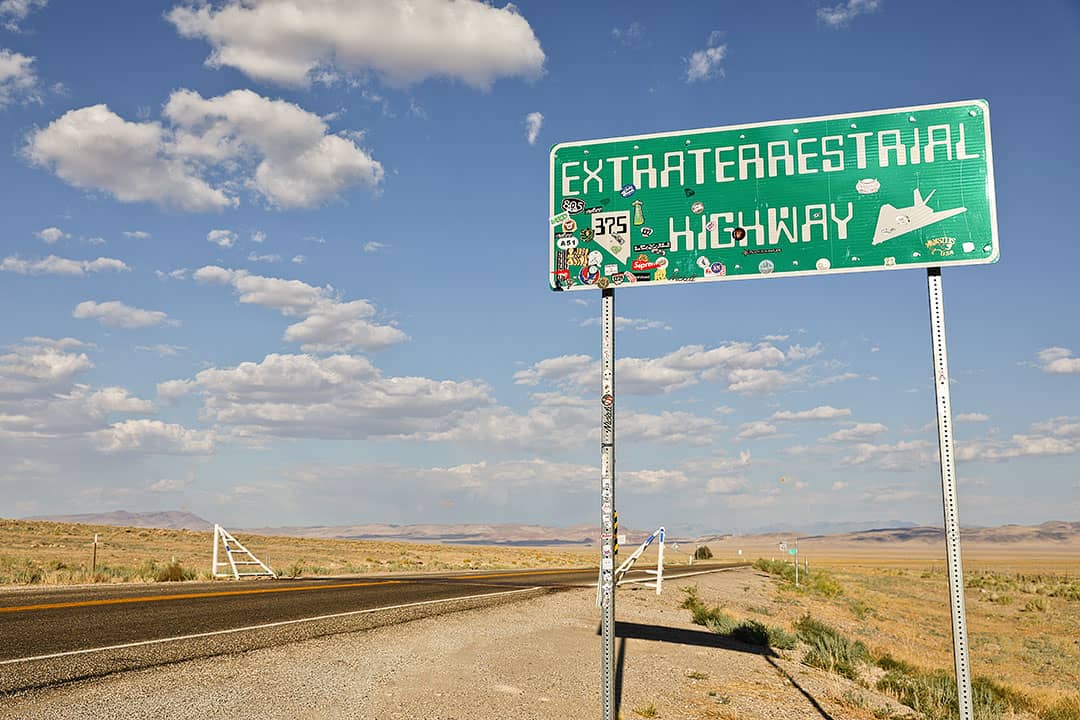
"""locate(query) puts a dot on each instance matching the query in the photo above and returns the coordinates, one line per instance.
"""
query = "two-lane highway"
(57, 635)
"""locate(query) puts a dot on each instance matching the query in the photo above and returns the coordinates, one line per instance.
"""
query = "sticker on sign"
(881, 190)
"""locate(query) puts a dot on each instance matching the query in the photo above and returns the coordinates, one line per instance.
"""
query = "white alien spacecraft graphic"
(893, 222)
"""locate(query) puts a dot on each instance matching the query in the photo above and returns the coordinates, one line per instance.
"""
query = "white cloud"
(258, 236)
(12, 12)
(299, 259)
(168, 485)
(704, 64)
(40, 366)
(840, 15)
(292, 42)
(631, 35)
(18, 82)
(329, 324)
(208, 149)
(744, 367)
(904, 456)
(222, 238)
(162, 350)
(53, 265)
(822, 412)
(51, 235)
(971, 417)
(137, 234)
(1058, 361)
(756, 429)
(340, 396)
(95, 149)
(273, 258)
(892, 494)
(178, 274)
(372, 246)
(114, 313)
(533, 122)
(153, 437)
(860, 432)
(629, 323)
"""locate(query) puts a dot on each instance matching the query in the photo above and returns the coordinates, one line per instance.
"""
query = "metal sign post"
(607, 500)
(948, 494)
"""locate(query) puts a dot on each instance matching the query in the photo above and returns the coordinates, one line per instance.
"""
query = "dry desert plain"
(886, 590)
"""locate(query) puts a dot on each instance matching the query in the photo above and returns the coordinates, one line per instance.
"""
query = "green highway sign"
(882, 190)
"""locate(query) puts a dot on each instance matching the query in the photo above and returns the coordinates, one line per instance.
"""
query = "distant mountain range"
(169, 519)
(865, 532)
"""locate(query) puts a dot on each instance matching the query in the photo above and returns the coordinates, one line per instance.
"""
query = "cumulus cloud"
(153, 437)
(18, 81)
(51, 235)
(743, 367)
(292, 43)
(137, 234)
(12, 12)
(860, 432)
(222, 238)
(1058, 361)
(704, 64)
(533, 122)
(838, 16)
(756, 429)
(373, 246)
(904, 456)
(114, 313)
(341, 396)
(272, 258)
(41, 366)
(971, 417)
(822, 412)
(205, 150)
(53, 265)
(328, 323)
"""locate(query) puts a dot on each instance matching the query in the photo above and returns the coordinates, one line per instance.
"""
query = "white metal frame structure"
(629, 563)
(232, 546)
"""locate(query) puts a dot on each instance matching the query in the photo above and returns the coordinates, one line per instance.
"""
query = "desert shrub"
(829, 649)
(294, 570)
(648, 711)
(933, 694)
(703, 553)
(1065, 709)
(173, 572)
(750, 632)
(1034, 605)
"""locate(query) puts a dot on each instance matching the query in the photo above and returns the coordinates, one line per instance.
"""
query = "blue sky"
(277, 276)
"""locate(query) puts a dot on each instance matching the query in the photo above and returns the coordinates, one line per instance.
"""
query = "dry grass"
(36, 553)
(1023, 618)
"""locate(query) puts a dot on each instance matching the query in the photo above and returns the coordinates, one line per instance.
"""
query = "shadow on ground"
(699, 638)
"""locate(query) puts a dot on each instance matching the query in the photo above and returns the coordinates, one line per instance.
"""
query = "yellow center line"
(190, 596)
(510, 574)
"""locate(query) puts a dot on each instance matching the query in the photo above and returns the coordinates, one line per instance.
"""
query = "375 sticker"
(611, 231)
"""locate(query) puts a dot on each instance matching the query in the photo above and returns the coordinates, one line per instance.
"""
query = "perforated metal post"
(948, 493)
(607, 501)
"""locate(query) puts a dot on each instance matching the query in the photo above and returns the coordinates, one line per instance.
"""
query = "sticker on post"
(607, 564)
(609, 229)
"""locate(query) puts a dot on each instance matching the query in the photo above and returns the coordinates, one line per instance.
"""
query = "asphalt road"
(63, 634)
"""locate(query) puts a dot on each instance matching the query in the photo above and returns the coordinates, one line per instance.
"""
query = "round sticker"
(595, 257)
(765, 267)
(738, 233)
(697, 208)
(569, 225)
(589, 274)
(823, 264)
(867, 186)
(703, 262)
(718, 269)
(607, 400)
(661, 262)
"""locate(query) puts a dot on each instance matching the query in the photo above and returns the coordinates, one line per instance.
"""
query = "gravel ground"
(539, 658)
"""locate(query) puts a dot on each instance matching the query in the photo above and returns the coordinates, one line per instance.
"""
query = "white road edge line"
(262, 626)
